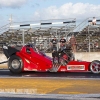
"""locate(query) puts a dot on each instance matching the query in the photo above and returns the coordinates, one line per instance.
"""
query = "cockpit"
(34, 48)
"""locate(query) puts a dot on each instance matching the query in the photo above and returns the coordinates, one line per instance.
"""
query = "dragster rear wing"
(8, 50)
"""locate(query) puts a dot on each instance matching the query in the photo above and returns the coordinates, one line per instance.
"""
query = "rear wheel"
(15, 64)
(95, 66)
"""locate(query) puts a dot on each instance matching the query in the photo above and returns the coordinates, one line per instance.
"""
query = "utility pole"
(23, 36)
(10, 19)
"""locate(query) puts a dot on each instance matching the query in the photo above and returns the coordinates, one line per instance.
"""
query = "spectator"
(62, 42)
(45, 44)
(94, 21)
(73, 43)
(96, 45)
(54, 44)
(34, 40)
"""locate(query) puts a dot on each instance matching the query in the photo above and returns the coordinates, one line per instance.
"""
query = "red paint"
(36, 61)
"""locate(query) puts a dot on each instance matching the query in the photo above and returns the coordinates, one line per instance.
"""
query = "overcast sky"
(29, 10)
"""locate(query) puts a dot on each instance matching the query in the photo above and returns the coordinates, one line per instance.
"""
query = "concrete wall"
(2, 57)
(86, 56)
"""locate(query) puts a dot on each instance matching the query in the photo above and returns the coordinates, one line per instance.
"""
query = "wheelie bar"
(3, 62)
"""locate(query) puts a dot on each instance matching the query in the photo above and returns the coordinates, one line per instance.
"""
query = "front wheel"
(15, 64)
(95, 67)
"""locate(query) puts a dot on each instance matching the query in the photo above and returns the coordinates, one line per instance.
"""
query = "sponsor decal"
(75, 67)
(26, 69)
(34, 70)
(18, 91)
(63, 69)
(27, 61)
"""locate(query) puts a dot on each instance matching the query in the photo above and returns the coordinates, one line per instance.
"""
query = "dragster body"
(29, 58)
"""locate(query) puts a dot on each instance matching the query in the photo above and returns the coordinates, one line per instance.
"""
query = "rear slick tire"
(15, 64)
(95, 67)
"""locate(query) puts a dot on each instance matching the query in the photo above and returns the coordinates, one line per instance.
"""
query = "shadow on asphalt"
(9, 98)
(7, 73)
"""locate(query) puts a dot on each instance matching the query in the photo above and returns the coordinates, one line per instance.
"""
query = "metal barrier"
(20, 33)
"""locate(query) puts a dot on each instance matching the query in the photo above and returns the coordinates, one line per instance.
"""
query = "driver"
(54, 44)
(62, 42)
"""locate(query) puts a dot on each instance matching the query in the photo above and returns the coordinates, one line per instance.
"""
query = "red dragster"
(29, 58)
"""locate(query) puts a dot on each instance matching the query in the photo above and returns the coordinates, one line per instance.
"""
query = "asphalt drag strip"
(30, 74)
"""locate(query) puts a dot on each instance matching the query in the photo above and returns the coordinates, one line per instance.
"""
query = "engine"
(63, 56)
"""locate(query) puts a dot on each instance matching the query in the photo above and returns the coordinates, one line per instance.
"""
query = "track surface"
(7, 73)
(80, 86)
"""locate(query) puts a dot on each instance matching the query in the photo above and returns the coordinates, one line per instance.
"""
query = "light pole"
(11, 19)
(89, 38)
(23, 37)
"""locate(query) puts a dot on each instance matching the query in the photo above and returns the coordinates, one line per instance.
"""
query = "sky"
(33, 10)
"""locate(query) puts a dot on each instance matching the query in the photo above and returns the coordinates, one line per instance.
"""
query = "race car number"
(75, 67)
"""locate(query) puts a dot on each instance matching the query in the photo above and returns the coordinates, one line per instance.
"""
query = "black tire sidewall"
(10, 64)
(92, 64)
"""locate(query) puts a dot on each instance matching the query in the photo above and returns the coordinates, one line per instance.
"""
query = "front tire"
(95, 67)
(15, 64)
